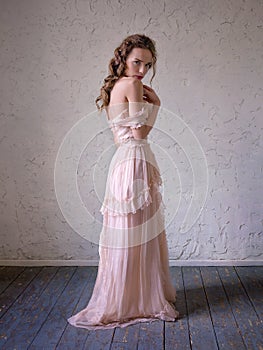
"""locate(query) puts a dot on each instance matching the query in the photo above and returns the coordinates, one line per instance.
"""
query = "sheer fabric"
(133, 283)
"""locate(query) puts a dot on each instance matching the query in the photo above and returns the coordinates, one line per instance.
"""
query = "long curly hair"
(117, 65)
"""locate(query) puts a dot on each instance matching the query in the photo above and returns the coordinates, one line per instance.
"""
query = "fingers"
(147, 87)
(148, 90)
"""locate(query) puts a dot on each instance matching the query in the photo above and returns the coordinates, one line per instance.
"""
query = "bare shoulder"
(124, 87)
(128, 82)
(134, 90)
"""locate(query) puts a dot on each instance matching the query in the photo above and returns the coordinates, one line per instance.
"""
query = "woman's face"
(138, 62)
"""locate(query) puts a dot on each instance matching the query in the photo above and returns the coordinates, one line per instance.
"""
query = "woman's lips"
(139, 76)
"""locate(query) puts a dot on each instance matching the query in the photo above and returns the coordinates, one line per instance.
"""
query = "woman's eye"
(148, 65)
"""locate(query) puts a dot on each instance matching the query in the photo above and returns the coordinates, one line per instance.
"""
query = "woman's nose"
(143, 69)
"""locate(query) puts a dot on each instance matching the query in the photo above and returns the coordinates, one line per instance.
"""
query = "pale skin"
(130, 88)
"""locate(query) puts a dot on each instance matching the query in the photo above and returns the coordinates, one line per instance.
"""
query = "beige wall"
(54, 57)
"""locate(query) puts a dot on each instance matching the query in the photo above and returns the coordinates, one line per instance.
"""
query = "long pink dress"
(133, 283)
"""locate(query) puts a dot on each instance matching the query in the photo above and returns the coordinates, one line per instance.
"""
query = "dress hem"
(126, 323)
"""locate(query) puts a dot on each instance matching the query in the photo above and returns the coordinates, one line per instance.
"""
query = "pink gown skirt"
(133, 282)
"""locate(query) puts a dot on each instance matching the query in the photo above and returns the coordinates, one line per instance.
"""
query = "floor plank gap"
(221, 307)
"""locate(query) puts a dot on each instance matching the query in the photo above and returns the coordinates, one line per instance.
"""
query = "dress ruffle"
(132, 173)
(124, 119)
(133, 283)
(122, 124)
(114, 207)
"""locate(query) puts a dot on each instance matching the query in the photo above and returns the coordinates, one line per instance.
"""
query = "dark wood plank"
(99, 339)
(73, 337)
(126, 338)
(246, 318)
(227, 334)
(252, 280)
(220, 308)
(19, 284)
(200, 325)
(41, 296)
(8, 274)
(53, 328)
(14, 290)
(177, 333)
(151, 335)
(15, 315)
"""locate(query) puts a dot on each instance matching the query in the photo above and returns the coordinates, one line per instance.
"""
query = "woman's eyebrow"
(141, 60)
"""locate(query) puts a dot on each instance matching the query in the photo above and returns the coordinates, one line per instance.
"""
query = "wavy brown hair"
(117, 65)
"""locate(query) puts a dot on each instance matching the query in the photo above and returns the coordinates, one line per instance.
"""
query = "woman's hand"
(150, 95)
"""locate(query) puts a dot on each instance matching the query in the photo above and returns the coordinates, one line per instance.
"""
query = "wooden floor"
(220, 307)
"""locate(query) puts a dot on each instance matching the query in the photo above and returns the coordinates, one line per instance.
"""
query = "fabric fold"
(133, 282)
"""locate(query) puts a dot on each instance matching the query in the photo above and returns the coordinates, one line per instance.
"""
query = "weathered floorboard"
(201, 329)
(13, 291)
(15, 317)
(227, 334)
(8, 274)
(252, 280)
(51, 331)
(177, 333)
(34, 311)
(126, 338)
(75, 338)
(220, 308)
(151, 335)
(246, 318)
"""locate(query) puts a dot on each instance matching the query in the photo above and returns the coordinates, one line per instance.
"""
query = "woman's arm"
(137, 92)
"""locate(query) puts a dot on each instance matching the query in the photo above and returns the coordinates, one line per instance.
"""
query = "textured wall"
(54, 56)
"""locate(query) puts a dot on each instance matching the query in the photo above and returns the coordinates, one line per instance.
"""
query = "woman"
(133, 282)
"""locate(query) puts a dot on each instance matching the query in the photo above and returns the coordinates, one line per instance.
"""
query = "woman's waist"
(132, 141)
